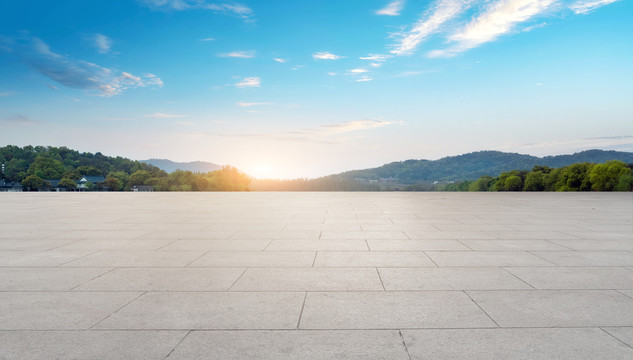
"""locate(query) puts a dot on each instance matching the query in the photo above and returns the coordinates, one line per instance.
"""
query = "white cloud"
(364, 79)
(239, 54)
(324, 55)
(332, 73)
(7, 93)
(297, 67)
(585, 7)
(376, 65)
(207, 39)
(358, 71)
(498, 19)
(280, 60)
(376, 57)
(392, 9)
(234, 9)
(249, 82)
(77, 74)
(533, 27)
(249, 104)
(164, 116)
(430, 23)
(102, 43)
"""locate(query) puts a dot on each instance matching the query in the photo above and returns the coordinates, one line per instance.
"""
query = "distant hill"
(473, 165)
(194, 166)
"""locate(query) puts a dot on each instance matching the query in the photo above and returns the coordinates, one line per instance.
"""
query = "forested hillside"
(33, 166)
(473, 165)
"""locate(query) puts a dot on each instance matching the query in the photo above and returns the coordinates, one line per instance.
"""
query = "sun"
(262, 171)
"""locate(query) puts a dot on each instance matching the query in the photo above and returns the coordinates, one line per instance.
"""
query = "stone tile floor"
(316, 276)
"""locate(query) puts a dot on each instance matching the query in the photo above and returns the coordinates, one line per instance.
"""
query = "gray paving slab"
(391, 310)
(32, 244)
(628, 293)
(513, 245)
(255, 259)
(624, 244)
(88, 345)
(363, 235)
(209, 310)
(624, 334)
(587, 258)
(217, 245)
(468, 278)
(317, 245)
(575, 277)
(115, 244)
(293, 344)
(514, 344)
(415, 245)
(59, 310)
(308, 279)
(372, 259)
(39, 258)
(555, 308)
(46, 279)
(486, 258)
(164, 279)
(531, 235)
(447, 235)
(136, 259)
(101, 234)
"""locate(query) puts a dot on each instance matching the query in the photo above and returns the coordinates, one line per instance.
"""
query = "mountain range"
(473, 165)
(193, 166)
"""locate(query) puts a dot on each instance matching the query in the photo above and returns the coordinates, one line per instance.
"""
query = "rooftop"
(316, 276)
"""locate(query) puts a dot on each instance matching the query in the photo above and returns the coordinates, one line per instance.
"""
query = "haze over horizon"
(304, 89)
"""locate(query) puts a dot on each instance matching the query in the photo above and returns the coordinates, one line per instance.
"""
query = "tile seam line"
(404, 343)
(525, 282)
(178, 344)
(305, 297)
(94, 278)
(608, 333)
(236, 280)
(493, 328)
(196, 258)
(81, 257)
(480, 308)
(117, 310)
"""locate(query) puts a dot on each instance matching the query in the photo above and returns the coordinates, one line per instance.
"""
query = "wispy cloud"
(498, 19)
(324, 55)
(279, 60)
(392, 9)
(102, 43)
(430, 23)
(249, 82)
(239, 10)
(534, 27)
(325, 134)
(17, 119)
(208, 39)
(585, 7)
(297, 67)
(357, 71)
(164, 116)
(376, 57)
(249, 104)
(7, 93)
(77, 74)
(364, 79)
(240, 54)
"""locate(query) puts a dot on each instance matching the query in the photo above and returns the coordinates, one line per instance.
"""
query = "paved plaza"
(393, 276)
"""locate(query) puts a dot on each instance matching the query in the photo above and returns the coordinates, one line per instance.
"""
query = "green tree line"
(33, 166)
(610, 176)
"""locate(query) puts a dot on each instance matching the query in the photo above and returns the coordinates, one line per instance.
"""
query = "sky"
(287, 89)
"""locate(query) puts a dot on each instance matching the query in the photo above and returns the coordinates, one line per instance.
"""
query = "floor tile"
(470, 278)
(308, 279)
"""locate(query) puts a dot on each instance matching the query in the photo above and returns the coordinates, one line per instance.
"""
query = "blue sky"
(309, 88)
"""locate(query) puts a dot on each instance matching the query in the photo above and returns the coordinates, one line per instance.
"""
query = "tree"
(112, 183)
(605, 177)
(46, 168)
(138, 178)
(484, 183)
(574, 177)
(67, 183)
(534, 181)
(514, 183)
(33, 183)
